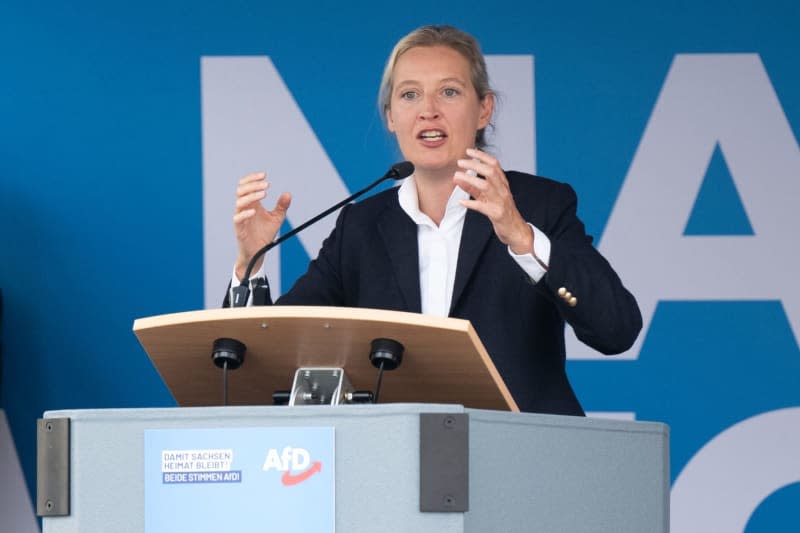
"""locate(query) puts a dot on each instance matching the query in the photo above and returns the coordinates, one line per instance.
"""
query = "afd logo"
(295, 463)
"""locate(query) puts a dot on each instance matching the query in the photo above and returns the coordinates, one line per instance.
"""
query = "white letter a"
(709, 99)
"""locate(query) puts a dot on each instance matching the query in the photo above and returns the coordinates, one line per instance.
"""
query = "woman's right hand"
(254, 225)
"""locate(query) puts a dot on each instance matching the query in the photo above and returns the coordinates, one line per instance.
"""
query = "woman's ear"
(486, 111)
(389, 121)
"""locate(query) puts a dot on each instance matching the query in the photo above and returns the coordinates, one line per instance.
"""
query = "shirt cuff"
(235, 281)
(535, 265)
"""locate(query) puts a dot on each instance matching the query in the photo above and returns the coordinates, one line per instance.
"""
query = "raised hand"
(492, 197)
(254, 225)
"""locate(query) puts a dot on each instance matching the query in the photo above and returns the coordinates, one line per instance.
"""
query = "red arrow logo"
(288, 479)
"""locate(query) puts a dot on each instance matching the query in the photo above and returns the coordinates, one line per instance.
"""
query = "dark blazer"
(371, 260)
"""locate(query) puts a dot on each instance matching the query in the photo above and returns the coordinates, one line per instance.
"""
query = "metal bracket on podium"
(52, 467)
(443, 462)
(320, 386)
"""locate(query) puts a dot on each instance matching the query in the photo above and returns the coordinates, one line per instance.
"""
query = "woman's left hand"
(492, 197)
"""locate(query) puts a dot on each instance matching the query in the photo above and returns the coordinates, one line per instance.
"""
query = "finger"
(478, 167)
(283, 203)
(254, 186)
(483, 157)
(477, 205)
(488, 166)
(249, 199)
(474, 186)
(490, 210)
(243, 215)
(253, 176)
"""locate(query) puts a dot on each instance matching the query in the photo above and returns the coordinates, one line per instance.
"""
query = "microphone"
(241, 293)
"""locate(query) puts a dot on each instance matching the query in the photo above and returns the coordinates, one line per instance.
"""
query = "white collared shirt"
(437, 245)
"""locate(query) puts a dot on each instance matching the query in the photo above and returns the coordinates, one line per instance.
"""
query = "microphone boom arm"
(240, 294)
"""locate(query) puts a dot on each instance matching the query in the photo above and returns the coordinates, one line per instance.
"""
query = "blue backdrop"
(101, 187)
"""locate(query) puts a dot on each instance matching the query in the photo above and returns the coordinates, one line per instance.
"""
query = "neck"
(433, 194)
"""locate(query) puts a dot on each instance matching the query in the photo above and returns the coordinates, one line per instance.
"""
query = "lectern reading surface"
(444, 360)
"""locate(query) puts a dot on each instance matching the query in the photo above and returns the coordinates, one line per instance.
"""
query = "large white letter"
(723, 484)
(251, 122)
(724, 99)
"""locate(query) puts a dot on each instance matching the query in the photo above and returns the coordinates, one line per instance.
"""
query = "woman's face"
(434, 109)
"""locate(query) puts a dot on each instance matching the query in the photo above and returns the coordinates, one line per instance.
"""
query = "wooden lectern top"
(444, 360)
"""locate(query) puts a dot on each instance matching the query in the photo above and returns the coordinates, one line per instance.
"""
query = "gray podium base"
(527, 472)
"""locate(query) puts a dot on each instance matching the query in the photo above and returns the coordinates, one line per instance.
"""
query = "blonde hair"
(460, 41)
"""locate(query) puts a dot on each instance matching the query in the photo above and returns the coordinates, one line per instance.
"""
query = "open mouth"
(432, 135)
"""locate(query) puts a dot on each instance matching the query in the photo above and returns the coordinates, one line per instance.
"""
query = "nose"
(429, 109)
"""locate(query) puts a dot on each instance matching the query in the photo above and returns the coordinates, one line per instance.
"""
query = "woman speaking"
(461, 237)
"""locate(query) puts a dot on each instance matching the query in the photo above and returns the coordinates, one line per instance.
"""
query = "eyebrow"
(444, 80)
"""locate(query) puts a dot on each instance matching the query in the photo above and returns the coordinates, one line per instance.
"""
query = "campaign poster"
(258, 479)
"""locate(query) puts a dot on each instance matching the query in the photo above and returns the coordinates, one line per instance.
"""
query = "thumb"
(283, 203)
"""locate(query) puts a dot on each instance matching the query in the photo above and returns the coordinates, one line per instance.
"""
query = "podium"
(399, 467)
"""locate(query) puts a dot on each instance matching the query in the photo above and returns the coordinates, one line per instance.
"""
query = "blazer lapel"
(399, 234)
(474, 238)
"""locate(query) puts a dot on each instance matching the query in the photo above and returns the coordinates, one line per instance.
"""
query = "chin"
(435, 169)
(433, 163)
